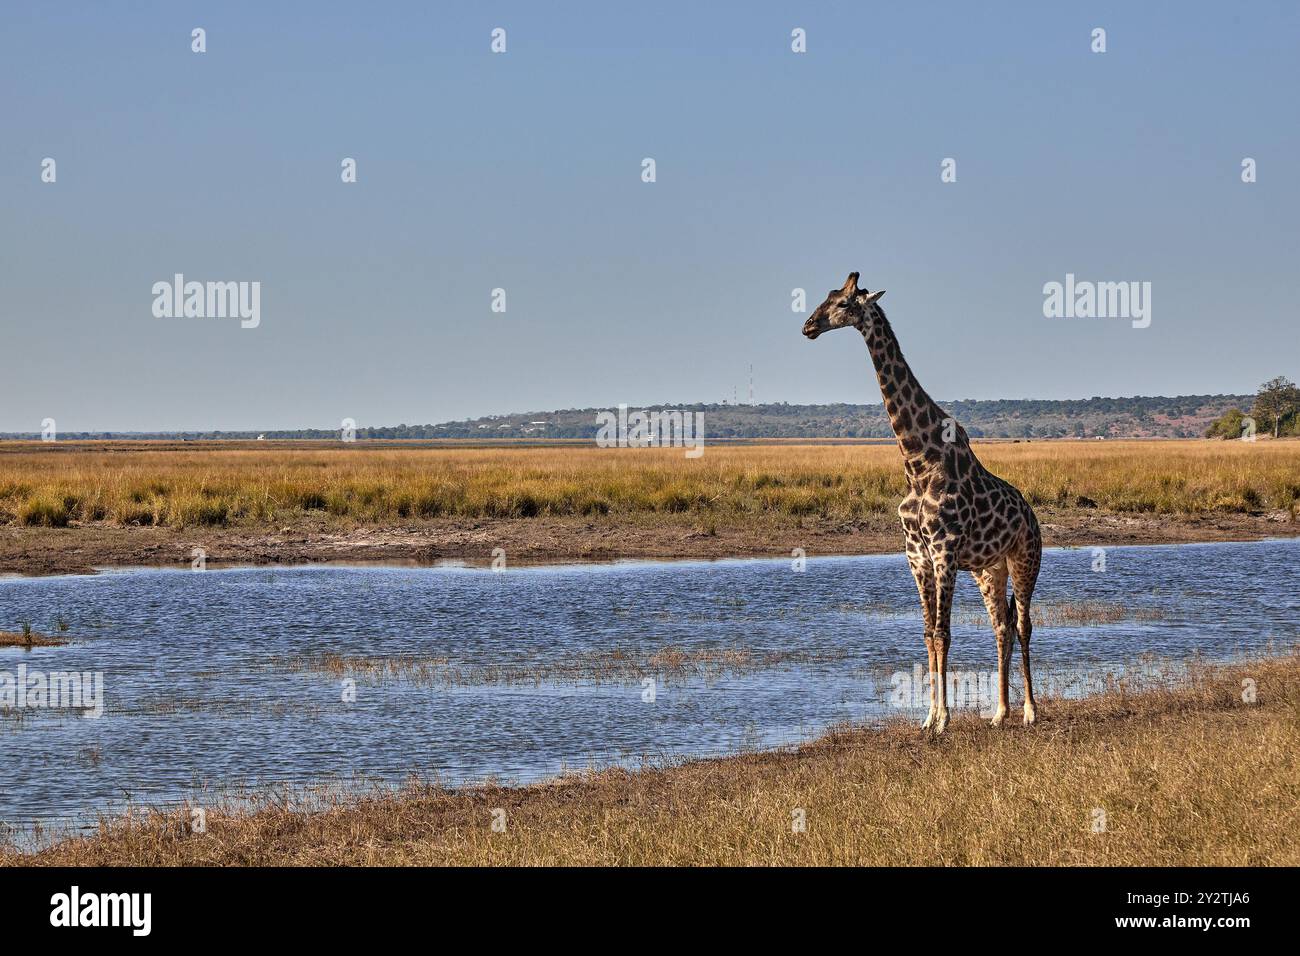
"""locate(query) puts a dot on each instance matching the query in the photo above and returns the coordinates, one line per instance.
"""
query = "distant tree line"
(1183, 416)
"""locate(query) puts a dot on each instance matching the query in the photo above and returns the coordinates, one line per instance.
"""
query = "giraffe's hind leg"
(1024, 575)
(993, 586)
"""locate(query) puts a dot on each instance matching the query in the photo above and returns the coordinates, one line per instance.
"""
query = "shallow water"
(209, 678)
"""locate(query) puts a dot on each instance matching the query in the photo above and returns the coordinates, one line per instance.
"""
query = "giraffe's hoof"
(1000, 716)
(941, 722)
(929, 721)
(1030, 714)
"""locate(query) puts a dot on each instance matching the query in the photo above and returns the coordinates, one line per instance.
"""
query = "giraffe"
(956, 515)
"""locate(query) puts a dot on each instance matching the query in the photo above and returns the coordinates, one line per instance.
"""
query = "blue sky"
(775, 170)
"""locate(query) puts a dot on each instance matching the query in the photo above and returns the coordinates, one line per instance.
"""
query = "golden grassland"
(141, 483)
(1185, 772)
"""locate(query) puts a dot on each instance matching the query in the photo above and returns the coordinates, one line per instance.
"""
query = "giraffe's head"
(842, 308)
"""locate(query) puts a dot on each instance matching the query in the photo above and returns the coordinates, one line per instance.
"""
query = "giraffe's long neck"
(917, 419)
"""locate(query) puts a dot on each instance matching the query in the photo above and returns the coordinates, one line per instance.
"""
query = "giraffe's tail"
(1011, 614)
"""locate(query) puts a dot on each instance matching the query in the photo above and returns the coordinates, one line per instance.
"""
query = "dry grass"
(1054, 614)
(31, 639)
(141, 483)
(610, 665)
(1185, 774)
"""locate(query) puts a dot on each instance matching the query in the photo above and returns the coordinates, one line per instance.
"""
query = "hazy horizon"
(522, 170)
(362, 425)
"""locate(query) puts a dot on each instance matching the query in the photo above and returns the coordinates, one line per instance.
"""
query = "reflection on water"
(239, 676)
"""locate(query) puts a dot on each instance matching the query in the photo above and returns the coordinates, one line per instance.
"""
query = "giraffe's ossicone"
(957, 516)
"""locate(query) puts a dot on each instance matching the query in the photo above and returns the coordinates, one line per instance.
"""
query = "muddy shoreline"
(80, 549)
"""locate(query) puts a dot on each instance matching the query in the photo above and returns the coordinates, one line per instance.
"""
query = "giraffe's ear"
(872, 296)
(850, 284)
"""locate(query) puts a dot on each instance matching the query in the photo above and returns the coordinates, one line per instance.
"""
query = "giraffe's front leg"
(929, 650)
(923, 572)
(945, 580)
